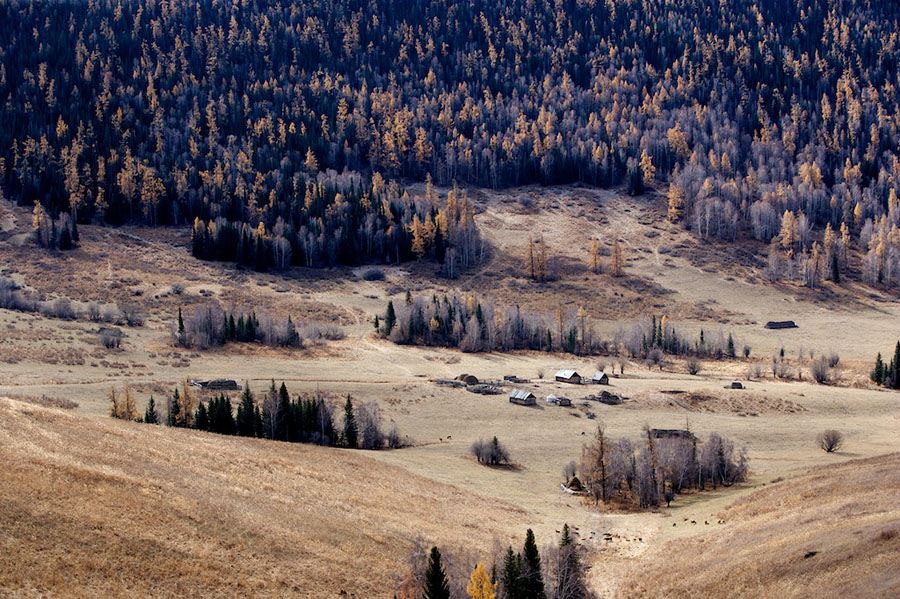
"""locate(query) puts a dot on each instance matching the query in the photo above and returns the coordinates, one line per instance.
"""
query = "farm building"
(523, 398)
(218, 385)
(736, 385)
(668, 433)
(468, 379)
(568, 376)
(600, 378)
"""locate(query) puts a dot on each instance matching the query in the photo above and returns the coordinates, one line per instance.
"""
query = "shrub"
(177, 288)
(819, 370)
(490, 453)
(133, 316)
(833, 359)
(693, 365)
(373, 274)
(830, 440)
(60, 308)
(110, 339)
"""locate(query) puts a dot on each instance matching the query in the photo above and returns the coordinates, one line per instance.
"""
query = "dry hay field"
(452, 500)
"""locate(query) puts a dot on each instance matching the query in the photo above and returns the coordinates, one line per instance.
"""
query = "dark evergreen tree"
(532, 577)
(878, 372)
(351, 432)
(151, 416)
(511, 579)
(175, 418)
(201, 417)
(285, 415)
(390, 318)
(436, 584)
(246, 421)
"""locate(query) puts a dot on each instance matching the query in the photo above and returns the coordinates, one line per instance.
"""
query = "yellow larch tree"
(595, 255)
(480, 585)
(616, 260)
(676, 203)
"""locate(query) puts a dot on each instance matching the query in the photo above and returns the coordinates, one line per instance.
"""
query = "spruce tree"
(151, 416)
(180, 323)
(390, 318)
(532, 579)
(285, 414)
(878, 372)
(895, 368)
(351, 432)
(511, 580)
(258, 428)
(730, 346)
(175, 417)
(246, 427)
(201, 417)
(436, 585)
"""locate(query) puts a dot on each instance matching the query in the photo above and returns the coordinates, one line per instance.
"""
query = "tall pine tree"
(436, 585)
(351, 432)
(532, 579)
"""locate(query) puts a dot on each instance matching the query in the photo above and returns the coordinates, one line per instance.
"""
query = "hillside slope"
(94, 507)
(847, 514)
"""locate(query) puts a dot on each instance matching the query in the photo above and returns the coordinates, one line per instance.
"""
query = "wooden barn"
(600, 378)
(568, 376)
(523, 398)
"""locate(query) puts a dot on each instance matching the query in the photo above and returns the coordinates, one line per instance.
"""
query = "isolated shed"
(468, 379)
(600, 378)
(568, 376)
(737, 385)
(523, 398)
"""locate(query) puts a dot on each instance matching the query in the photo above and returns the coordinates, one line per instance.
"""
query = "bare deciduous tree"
(830, 440)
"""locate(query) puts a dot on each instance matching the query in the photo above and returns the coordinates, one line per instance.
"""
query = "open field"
(775, 421)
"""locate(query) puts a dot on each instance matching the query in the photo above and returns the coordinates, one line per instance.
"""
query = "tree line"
(888, 374)
(275, 416)
(524, 574)
(209, 325)
(482, 325)
(616, 471)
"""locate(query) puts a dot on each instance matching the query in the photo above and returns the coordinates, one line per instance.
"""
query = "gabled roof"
(566, 374)
(599, 375)
(519, 394)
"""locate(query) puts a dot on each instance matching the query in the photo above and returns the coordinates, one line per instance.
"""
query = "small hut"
(600, 378)
(523, 398)
(736, 385)
(568, 376)
(468, 379)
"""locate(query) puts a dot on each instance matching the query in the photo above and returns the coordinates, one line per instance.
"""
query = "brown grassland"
(94, 507)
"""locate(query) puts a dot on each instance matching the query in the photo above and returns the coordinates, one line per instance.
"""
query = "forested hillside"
(740, 111)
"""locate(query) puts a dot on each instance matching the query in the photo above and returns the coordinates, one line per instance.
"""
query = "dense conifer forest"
(288, 124)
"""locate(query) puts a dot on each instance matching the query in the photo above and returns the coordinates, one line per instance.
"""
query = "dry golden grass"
(93, 507)
(846, 513)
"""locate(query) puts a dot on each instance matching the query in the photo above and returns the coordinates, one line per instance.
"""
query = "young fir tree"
(258, 428)
(532, 579)
(351, 432)
(246, 427)
(878, 373)
(175, 417)
(390, 318)
(511, 580)
(180, 323)
(201, 417)
(730, 346)
(436, 585)
(285, 414)
(151, 416)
